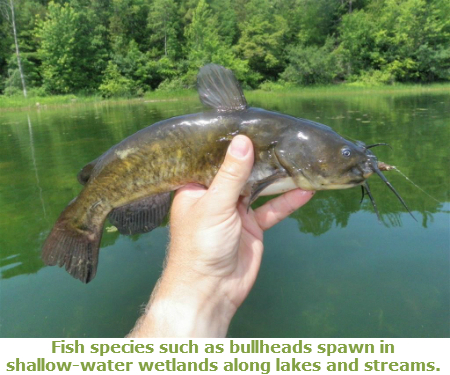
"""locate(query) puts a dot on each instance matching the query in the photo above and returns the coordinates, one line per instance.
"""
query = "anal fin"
(141, 216)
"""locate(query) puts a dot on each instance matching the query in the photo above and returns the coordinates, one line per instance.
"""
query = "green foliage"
(133, 65)
(164, 26)
(206, 46)
(115, 84)
(5, 48)
(167, 72)
(357, 41)
(26, 12)
(171, 85)
(262, 37)
(313, 65)
(227, 20)
(29, 65)
(372, 78)
(69, 46)
(408, 40)
(61, 49)
(58, 35)
(274, 86)
(127, 22)
(13, 83)
(317, 20)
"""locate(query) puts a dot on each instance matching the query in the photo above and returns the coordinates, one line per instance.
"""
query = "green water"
(330, 270)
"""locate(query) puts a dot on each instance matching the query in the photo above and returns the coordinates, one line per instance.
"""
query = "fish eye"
(346, 152)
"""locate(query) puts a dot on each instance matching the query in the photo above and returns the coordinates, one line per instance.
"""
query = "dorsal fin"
(218, 88)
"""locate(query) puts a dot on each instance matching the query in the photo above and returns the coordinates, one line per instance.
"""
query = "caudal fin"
(76, 249)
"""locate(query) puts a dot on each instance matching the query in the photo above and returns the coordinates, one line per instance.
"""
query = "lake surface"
(330, 270)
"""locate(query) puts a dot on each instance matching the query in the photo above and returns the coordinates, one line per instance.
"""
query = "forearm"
(185, 307)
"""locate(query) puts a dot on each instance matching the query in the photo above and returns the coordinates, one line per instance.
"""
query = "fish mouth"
(367, 171)
(360, 172)
(375, 167)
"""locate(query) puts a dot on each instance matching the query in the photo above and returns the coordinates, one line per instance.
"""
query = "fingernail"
(239, 147)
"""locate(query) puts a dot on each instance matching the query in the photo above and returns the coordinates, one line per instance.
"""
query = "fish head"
(341, 164)
(320, 159)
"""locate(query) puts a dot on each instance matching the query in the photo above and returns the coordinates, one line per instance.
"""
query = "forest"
(128, 47)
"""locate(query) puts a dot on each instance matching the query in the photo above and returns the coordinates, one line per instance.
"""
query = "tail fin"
(75, 248)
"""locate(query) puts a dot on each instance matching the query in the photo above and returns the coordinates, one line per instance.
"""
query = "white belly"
(280, 186)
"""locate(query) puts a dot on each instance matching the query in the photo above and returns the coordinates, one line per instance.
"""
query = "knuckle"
(231, 171)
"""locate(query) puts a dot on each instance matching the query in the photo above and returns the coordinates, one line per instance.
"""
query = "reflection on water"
(33, 157)
(330, 270)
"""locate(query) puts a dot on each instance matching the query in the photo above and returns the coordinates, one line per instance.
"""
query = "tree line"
(128, 47)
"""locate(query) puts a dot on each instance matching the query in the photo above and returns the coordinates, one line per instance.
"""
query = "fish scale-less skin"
(191, 148)
(168, 155)
(131, 182)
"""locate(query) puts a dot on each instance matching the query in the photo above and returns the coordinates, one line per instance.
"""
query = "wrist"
(186, 307)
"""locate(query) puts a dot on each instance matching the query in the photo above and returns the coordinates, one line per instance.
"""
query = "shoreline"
(17, 103)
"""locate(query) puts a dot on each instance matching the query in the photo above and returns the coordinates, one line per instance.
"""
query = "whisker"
(378, 144)
(372, 199)
(385, 180)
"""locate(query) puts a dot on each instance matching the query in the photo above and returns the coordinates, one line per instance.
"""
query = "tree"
(262, 39)
(163, 23)
(357, 41)
(61, 49)
(65, 46)
(115, 84)
(398, 40)
(317, 20)
(7, 10)
(312, 64)
(71, 48)
(204, 45)
(5, 43)
(94, 19)
(128, 21)
(227, 20)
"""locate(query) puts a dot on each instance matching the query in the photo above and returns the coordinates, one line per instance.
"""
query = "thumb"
(233, 174)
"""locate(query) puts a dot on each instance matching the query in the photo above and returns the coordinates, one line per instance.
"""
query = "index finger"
(281, 207)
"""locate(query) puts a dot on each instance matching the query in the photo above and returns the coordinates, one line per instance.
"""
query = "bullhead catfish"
(132, 181)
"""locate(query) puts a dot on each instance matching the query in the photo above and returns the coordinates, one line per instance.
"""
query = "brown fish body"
(191, 148)
(132, 180)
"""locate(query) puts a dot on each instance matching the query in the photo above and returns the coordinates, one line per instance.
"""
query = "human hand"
(215, 251)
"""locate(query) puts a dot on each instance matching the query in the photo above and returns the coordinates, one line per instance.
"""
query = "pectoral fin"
(262, 184)
(141, 216)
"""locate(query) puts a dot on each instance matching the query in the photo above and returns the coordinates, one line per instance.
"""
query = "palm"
(247, 257)
(248, 254)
